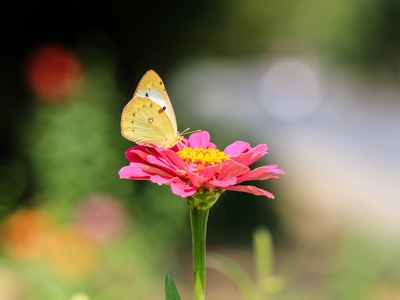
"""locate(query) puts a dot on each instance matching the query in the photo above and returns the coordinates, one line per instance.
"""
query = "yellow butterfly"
(149, 118)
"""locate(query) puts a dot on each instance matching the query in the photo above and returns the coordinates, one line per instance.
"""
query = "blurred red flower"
(53, 72)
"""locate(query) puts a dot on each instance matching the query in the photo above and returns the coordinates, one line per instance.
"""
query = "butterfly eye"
(164, 108)
(147, 94)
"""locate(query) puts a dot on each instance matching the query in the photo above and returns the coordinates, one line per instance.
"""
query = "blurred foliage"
(73, 150)
(360, 32)
(362, 269)
(73, 144)
(266, 283)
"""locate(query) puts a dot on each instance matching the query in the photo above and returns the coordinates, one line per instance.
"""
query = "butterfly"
(149, 118)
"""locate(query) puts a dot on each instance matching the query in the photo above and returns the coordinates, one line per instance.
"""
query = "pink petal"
(138, 170)
(156, 162)
(212, 145)
(210, 171)
(248, 158)
(183, 190)
(236, 148)
(250, 189)
(231, 169)
(196, 180)
(199, 139)
(155, 170)
(160, 179)
(129, 172)
(172, 159)
(178, 187)
(139, 152)
(260, 148)
(136, 156)
(169, 162)
(222, 183)
(262, 173)
(244, 154)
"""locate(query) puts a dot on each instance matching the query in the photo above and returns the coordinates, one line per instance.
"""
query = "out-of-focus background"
(318, 82)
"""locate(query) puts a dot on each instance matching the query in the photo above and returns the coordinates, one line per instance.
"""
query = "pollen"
(202, 157)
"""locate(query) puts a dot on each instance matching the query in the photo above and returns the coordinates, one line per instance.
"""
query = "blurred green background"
(318, 82)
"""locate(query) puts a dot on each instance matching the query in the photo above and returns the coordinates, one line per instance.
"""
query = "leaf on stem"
(171, 293)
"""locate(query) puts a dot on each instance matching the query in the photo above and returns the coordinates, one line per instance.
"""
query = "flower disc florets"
(200, 157)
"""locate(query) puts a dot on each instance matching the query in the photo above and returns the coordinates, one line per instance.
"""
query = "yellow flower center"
(202, 157)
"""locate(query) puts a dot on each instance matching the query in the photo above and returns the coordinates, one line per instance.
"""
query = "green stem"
(200, 205)
(198, 221)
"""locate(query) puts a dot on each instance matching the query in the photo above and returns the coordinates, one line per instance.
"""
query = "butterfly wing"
(151, 86)
(145, 122)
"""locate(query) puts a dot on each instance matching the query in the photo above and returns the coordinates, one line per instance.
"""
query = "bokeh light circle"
(290, 90)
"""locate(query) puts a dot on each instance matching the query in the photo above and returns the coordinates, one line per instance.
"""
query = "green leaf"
(171, 293)
(263, 251)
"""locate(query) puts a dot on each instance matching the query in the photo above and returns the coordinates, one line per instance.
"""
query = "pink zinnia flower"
(195, 165)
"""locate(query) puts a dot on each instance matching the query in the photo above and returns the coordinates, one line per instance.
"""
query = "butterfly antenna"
(186, 131)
